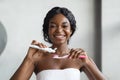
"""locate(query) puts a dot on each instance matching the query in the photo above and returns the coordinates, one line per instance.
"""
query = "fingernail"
(34, 42)
(69, 57)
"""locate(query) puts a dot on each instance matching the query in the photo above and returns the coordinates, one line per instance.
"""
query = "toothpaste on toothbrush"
(66, 56)
(50, 50)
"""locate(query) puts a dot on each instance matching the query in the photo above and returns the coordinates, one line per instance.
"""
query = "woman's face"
(59, 29)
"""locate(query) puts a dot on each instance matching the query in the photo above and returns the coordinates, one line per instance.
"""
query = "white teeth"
(59, 36)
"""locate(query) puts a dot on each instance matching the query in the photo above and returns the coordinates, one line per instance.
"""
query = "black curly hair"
(58, 10)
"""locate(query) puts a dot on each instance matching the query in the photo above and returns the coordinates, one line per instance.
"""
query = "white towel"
(59, 74)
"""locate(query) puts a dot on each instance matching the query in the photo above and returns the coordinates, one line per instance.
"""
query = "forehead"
(59, 18)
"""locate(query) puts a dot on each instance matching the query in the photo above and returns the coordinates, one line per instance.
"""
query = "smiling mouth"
(59, 36)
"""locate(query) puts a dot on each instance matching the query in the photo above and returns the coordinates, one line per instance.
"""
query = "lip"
(59, 36)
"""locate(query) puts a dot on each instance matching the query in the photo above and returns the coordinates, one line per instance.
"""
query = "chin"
(60, 42)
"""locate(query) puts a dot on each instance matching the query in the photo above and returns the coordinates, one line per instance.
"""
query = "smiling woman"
(63, 64)
(3, 38)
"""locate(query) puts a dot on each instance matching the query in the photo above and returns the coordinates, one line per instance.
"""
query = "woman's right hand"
(35, 55)
(27, 67)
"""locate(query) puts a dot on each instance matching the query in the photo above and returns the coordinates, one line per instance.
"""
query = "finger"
(41, 45)
(79, 49)
(76, 52)
(33, 50)
(44, 46)
(83, 55)
(70, 55)
(34, 42)
(79, 52)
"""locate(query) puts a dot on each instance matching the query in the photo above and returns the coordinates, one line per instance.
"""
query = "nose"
(59, 29)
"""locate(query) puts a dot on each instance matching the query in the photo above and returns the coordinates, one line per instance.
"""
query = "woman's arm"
(92, 71)
(87, 73)
(88, 65)
(27, 67)
(25, 71)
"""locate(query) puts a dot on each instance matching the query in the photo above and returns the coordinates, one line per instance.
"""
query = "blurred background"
(98, 32)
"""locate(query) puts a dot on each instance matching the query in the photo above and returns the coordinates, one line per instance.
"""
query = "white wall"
(23, 21)
(111, 39)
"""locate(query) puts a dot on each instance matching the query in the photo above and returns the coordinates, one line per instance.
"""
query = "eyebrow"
(52, 22)
(62, 23)
(65, 22)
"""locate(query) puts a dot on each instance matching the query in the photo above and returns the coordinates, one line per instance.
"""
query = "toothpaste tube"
(50, 50)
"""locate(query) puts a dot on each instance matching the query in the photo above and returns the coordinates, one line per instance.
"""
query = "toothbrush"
(66, 56)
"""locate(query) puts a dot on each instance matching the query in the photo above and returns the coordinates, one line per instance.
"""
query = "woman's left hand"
(80, 54)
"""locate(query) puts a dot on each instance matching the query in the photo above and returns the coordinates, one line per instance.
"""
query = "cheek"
(50, 32)
(68, 32)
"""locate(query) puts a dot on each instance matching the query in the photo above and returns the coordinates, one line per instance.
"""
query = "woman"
(59, 25)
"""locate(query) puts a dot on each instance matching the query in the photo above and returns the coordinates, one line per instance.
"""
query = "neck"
(61, 49)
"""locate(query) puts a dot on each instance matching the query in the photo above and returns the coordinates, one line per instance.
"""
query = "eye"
(65, 26)
(52, 26)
